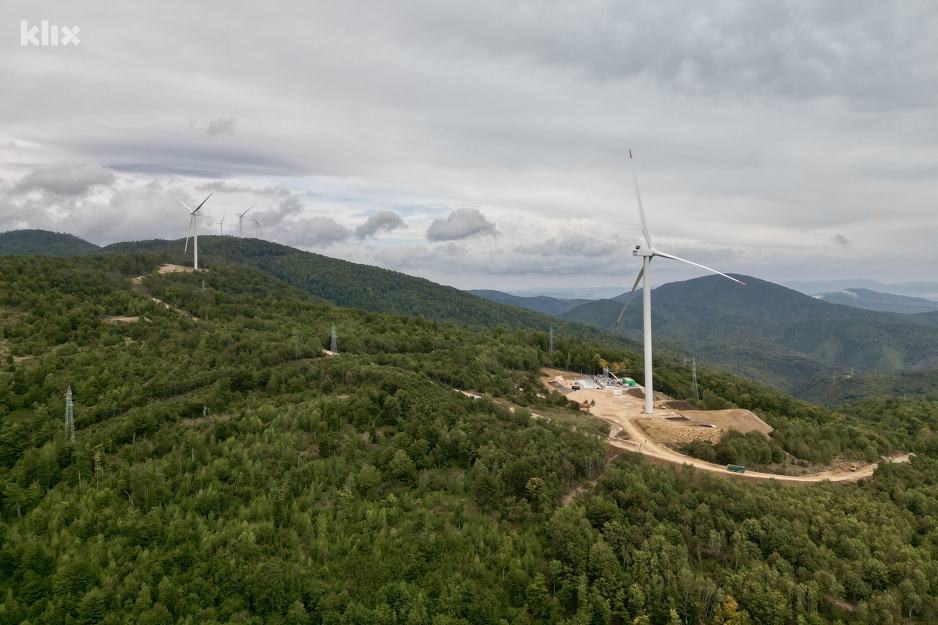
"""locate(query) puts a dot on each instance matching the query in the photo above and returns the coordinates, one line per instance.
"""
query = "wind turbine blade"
(203, 202)
(184, 204)
(247, 211)
(641, 272)
(689, 262)
(641, 209)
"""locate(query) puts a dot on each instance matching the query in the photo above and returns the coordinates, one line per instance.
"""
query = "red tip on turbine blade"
(742, 283)
(630, 152)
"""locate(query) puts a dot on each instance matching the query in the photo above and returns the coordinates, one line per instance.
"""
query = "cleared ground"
(632, 430)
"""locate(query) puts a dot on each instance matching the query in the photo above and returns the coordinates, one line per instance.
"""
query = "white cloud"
(462, 223)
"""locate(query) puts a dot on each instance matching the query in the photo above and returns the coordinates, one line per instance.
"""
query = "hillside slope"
(370, 288)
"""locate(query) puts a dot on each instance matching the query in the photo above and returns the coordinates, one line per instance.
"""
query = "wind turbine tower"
(550, 346)
(646, 253)
(258, 224)
(241, 218)
(194, 226)
(221, 224)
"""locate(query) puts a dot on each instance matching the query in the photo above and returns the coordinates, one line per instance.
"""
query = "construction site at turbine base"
(678, 422)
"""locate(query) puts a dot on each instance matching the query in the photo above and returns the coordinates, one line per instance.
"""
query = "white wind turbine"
(258, 224)
(240, 218)
(194, 226)
(647, 253)
(221, 224)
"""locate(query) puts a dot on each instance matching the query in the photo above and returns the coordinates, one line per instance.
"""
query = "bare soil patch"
(175, 269)
(121, 319)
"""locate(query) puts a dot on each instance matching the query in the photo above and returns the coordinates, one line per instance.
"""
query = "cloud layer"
(768, 139)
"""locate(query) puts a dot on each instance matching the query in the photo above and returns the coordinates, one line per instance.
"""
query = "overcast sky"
(485, 144)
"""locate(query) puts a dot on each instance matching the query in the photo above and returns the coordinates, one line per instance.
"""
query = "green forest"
(225, 469)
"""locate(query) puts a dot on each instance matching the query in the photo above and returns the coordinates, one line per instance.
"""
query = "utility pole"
(69, 418)
(550, 347)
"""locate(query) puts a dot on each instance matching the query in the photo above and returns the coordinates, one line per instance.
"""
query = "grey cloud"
(861, 51)
(385, 221)
(65, 180)
(573, 245)
(840, 240)
(312, 232)
(460, 224)
(288, 206)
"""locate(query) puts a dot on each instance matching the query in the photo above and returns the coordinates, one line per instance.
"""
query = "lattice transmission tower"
(694, 370)
(334, 344)
(69, 418)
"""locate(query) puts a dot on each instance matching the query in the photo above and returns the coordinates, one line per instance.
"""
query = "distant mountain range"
(926, 290)
(872, 300)
(540, 303)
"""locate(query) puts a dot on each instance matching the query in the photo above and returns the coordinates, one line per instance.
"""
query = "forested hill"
(224, 469)
(43, 242)
(370, 288)
(776, 334)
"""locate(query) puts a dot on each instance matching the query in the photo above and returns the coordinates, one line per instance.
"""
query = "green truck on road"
(735, 468)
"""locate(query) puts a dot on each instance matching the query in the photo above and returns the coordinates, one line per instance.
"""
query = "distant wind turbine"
(194, 226)
(221, 224)
(258, 224)
(647, 253)
(240, 218)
